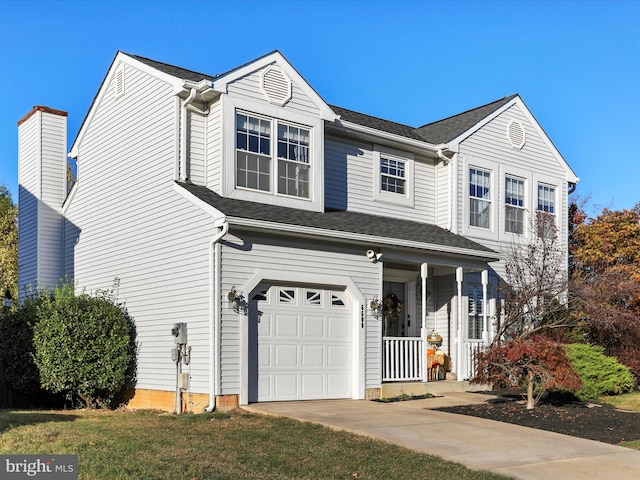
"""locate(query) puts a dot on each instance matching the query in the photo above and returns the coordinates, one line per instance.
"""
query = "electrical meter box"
(179, 332)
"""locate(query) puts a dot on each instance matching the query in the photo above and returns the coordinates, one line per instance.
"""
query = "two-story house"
(310, 249)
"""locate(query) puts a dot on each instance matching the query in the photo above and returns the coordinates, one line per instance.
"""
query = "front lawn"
(149, 445)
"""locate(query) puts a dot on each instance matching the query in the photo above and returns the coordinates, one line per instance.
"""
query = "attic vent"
(120, 81)
(276, 86)
(516, 134)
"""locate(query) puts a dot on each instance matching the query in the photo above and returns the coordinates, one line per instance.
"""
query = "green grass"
(148, 445)
(627, 401)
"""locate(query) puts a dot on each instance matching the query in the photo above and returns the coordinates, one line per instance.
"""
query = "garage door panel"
(338, 356)
(312, 327)
(304, 344)
(285, 356)
(312, 356)
(286, 326)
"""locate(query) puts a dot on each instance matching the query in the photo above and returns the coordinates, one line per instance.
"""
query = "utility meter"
(179, 332)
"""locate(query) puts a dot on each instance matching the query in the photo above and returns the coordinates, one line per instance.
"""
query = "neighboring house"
(309, 249)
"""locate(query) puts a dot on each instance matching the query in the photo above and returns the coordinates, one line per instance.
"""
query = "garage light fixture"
(235, 300)
(376, 306)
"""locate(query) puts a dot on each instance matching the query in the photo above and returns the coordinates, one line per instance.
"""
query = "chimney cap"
(40, 108)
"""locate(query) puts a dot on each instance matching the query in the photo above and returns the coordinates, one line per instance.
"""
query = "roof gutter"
(488, 256)
(419, 144)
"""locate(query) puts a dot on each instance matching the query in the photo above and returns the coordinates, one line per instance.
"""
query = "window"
(546, 211)
(293, 161)
(392, 175)
(479, 198)
(514, 205)
(476, 312)
(254, 158)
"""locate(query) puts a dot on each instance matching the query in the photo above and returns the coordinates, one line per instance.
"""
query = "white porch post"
(424, 273)
(460, 362)
(485, 304)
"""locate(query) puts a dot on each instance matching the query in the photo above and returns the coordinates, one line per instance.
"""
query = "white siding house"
(310, 249)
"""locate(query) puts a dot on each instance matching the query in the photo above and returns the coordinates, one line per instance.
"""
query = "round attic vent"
(276, 86)
(516, 134)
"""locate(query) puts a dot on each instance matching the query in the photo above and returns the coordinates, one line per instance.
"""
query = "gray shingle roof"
(340, 221)
(174, 71)
(376, 123)
(447, 129)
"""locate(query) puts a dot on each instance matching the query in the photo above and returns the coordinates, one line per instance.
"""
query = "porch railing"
(403, 359)
(472, 348)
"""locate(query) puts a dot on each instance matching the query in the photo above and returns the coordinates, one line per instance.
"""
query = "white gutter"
(421, 144)
(337, 234)
(183, 135)
(215, 308)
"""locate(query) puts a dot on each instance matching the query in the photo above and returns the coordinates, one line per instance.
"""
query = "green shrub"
(16, 348)
(601, 375)
(83, 345)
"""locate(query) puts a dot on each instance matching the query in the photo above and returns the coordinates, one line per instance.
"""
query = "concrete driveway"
(480, 444)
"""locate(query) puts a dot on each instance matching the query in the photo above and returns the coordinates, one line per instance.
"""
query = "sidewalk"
(480, 444)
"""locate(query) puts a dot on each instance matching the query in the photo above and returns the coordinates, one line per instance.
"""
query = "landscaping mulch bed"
(594, 421)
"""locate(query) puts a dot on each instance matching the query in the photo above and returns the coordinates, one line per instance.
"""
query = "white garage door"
(303, 343)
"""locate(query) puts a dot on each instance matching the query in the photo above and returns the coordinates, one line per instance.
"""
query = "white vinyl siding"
(352, 176)
(214, 148)
(126, 221)
(42, 178)
(197, 148)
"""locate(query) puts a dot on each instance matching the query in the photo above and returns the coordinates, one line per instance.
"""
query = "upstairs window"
(514, 205)
(255, 163)
(479, 198)
(392, 175)
(546, 211)
(293, 161)
(253, 157)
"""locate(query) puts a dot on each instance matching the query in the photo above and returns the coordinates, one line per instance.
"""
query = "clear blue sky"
(575, 64)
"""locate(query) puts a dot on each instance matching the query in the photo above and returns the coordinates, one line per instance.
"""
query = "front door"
(396, 322)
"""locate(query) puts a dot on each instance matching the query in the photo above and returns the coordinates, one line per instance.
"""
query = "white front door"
(300, 344)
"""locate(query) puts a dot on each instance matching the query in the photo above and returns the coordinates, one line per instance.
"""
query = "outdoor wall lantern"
(235, 300)
(376, 307)
(7, 300)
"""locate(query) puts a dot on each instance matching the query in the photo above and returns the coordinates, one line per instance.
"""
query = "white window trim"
(520, 175)
(231, 105)
(491, 233)
(379, 195)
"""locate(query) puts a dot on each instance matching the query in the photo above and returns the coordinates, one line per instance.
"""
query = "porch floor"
(394, 389)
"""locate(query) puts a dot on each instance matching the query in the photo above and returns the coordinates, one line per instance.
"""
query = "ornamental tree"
(535, 295)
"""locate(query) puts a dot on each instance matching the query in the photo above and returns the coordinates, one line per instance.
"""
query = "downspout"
(446, 160)
(215, 306)
(183, 139)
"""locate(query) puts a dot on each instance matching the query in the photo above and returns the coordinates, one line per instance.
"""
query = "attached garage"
(300, 344)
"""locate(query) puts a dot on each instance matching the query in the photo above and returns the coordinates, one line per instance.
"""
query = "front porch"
(391, 390)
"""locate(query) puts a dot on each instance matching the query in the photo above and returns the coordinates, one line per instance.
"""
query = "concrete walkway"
(480, 444)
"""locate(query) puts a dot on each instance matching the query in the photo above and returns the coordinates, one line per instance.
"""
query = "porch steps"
(390, 390)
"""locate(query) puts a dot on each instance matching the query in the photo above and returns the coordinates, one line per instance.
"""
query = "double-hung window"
(293, 161)
(479, 198)
(392, 175)
(256, 167)
(514, 205)
(546, 211)
(253, 152)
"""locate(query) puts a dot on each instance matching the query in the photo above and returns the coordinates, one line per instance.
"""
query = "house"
(309, 249)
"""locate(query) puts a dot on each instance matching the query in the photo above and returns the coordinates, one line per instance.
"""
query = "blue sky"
(575, 64)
